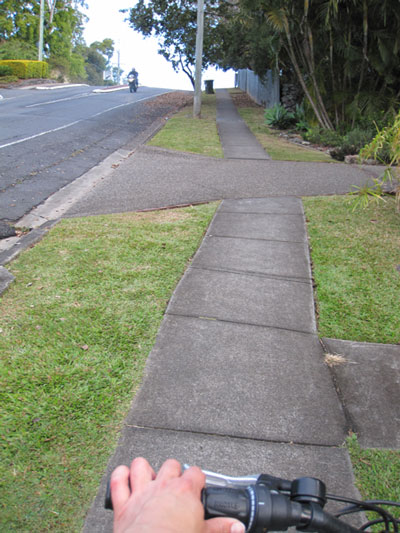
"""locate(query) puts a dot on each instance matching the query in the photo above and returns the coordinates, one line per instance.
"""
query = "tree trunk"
(321, 119)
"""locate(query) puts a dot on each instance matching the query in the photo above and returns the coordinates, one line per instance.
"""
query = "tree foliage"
(174, 23)
(64, 47)
(344, 54)
(97, 56)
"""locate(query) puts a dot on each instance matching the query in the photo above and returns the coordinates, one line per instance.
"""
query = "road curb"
(25, 241)
(110, 90)
(53, 87)
(43, 217)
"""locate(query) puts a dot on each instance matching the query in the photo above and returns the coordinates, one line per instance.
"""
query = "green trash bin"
(209, 86)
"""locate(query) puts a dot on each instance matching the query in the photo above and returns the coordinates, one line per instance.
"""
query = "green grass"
(276, 147)
(184, 133)
(75, 330)
(187, 134)
(355, 258)
(377, 474)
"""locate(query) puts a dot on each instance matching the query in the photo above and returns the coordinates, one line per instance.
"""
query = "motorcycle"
(133, 83)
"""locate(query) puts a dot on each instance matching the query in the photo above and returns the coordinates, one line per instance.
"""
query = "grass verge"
(276, 147)
(356, 257)
(184, 133)
(75, 330)
(377, 474)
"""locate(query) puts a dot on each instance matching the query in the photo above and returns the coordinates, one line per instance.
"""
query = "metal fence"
(263, 91)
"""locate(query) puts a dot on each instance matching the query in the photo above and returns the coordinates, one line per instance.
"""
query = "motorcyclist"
(134, 73)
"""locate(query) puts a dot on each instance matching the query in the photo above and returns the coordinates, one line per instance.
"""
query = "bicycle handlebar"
(262, 509)
(268, 503)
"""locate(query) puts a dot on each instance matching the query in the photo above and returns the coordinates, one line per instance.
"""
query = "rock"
(352, 159)
(391, 188)
(5, 279)
(6, 230)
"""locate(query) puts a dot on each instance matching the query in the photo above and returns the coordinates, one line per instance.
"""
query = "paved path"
(237, 379)
(237, 140)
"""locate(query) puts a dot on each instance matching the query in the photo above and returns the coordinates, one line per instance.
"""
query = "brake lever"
(215, 479)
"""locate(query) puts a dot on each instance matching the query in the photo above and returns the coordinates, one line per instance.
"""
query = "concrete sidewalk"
(237, 380)
(237, 140)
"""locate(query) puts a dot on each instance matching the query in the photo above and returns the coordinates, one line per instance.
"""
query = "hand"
(168, 502)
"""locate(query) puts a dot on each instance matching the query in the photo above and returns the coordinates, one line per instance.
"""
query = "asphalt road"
(48, 138)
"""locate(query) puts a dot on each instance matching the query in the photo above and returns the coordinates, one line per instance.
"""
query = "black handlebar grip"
(220, 501)
(259, 508)
(108, 501)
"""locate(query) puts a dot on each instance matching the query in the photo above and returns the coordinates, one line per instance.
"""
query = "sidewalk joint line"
(253, 273)
(257, 213)
(239, 437)
(254, 238)
(235, 322)
(305, 281)
(350, 422)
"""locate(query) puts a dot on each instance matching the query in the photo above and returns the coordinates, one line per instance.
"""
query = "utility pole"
(41, 27)
(199, 59)
(119, 67)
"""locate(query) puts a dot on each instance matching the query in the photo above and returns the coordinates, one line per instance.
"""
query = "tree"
(173, 22)
(344, 55)
(96, 63)
(15, 49)
(19, 33)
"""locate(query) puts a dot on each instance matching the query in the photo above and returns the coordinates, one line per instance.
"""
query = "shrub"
(16, 49)
(386, 142)
(317, 135)
(352, 143)
(5, 80)
(27, 69)
(5, 70)
(279, 117)
(300, 118)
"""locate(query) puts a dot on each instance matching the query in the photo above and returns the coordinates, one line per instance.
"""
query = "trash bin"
(209, 86)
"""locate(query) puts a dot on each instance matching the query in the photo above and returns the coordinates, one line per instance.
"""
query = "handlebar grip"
(259, 508)
(108, 501)
(222, 501)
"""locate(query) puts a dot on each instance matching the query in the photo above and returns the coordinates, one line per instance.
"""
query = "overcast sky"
(105, 21)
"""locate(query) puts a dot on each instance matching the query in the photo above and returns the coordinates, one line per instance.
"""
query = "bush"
(384, 148)
(5, 80)
(279, 117)
(16, 49)
(324, 137)
(26, 69)
(300, 118)
(5, 70)
(352, 143)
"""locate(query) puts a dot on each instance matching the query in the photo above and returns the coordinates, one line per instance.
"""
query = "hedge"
(24, 68)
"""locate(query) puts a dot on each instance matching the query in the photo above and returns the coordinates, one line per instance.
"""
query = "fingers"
(196, 477)
(224, 525)
(171, 469)
(119, 485)
(141, 474)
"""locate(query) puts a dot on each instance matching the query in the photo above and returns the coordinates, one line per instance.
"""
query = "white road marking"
(40, 134)
(77, 121)
(60, 100)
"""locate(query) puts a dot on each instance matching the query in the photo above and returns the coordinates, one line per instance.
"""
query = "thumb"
(224, 525)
